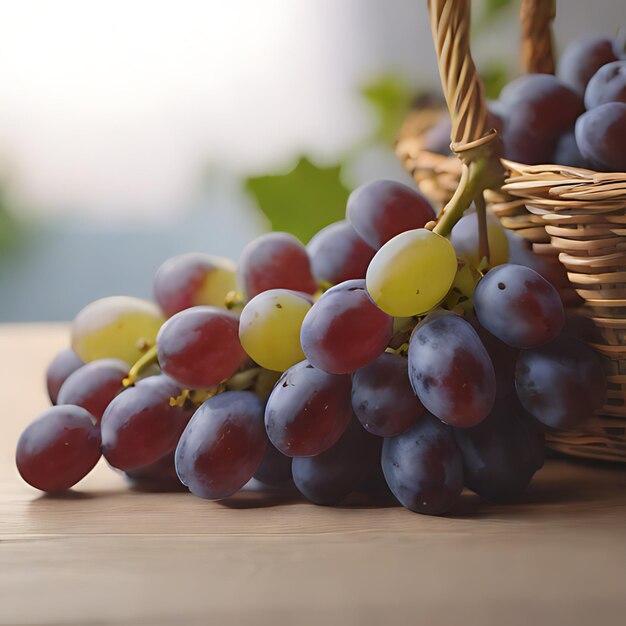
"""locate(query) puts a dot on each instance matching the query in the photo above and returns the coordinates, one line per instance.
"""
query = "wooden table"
(107, 555)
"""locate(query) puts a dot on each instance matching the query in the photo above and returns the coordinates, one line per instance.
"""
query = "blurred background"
(134, 130)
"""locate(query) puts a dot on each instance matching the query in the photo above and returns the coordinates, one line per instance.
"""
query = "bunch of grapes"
(381, 354)
(577, 118)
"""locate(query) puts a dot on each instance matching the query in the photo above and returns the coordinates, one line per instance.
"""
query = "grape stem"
(483, 236)
(151, 356)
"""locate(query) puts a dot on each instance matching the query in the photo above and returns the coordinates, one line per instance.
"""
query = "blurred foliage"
(494, 77)
(492, 10)
(303, 200)
(8, 227)
(391, 98)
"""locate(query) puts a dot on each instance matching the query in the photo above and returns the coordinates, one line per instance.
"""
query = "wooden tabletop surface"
(107, 555)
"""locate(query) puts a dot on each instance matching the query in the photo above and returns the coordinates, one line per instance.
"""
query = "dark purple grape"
(503, 358)
(59, 448)
(538, 109)
(345, 330)
(601, 136)
(502, 453)
(437, 138)
(561, 384)
(275, 261)
(450, 370)
(582, 59)
(94, 385)
(382, 209)
(339, 254)
(329, 477)
(159, 476)
(308, 410)
(423, 467)
(64, 363)
(382, 397)
(223, 445)
(193, 279)
(275, 467)
(200, 347)
(608, 84)
(566, 151)
(140, 426)
(518, 306)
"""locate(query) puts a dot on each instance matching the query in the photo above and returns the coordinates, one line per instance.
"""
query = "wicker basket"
(572, 217)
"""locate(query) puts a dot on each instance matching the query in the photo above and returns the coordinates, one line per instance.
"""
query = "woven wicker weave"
(570, 216)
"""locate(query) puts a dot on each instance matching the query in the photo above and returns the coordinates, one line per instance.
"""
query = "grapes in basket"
(382, 354)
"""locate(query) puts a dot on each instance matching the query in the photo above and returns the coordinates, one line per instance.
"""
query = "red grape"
(518, 306)
(63, 364)
(345, 330)
(199, 347)
(223, 445)
(94, 385)
(423, 467)
(140, 426)
(601, 136)
(308, 410)
(339, 254)
(502, 453)
(329, 477)
(59, 448)
(382, 397)
(275, 261)
(561, 383)
(382, 209)
(451, 371)
(583, 58)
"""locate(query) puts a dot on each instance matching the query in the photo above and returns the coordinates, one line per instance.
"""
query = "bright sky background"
(111, 105)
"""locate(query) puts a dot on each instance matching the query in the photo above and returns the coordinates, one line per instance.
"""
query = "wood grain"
(107, 555)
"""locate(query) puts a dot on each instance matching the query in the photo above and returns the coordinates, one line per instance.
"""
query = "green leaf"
(391, 98)
(303, 200)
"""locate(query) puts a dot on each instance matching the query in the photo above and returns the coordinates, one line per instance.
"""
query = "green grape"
(117, 327)
(269, 328)
(464, 238)
(411, 273)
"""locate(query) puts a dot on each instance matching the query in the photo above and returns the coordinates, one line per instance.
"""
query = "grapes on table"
(223, 445)
(519, 306)
(561, 384)
(269, 328)
(338, 254)
(412, 273)
(118, 327)
(61, 366)
(94, 385)
(59, 448)
(275, 261)
(503, 452)
(275, 467)
(450, 370)
(200, 347)
(193, 279)
(308, 410)
(423, 467)
(329, 477)
(382, 397)
(142, 425)
(345, 330)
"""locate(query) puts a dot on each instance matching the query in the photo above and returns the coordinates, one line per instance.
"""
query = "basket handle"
(537, 48)
(478, 148)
